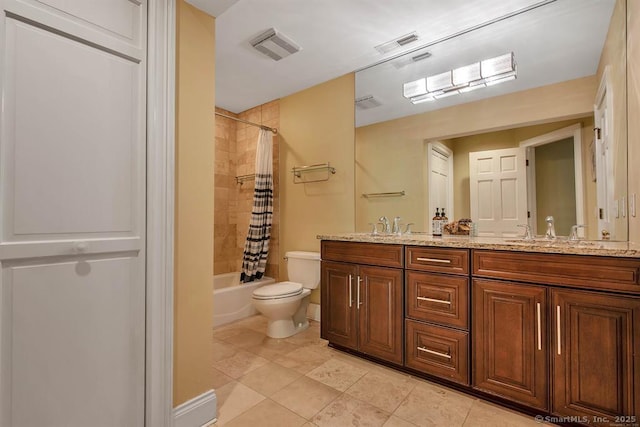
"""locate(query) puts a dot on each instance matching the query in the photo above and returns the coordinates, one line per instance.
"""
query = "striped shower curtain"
(256, 247)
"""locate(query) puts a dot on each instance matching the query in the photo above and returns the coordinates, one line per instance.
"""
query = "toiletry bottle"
(436, 225)
(443, 220)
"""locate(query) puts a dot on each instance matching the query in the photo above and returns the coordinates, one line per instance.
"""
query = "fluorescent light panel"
(464, 79)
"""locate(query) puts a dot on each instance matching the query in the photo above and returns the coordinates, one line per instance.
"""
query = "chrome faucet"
(408, 229)
(527, 232)
(551, 231)
(573, 236)
(396, 225)
(386, 228)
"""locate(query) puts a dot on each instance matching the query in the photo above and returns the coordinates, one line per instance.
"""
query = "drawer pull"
(441, 301)
(558, 320)
(441, 261)
(539, 331)
(437, 353)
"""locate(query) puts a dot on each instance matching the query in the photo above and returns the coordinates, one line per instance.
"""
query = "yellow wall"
(398, 145)
(316, 126)
(633, 76)
(195, 134)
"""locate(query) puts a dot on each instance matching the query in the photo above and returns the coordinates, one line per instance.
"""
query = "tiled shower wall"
(235, 155)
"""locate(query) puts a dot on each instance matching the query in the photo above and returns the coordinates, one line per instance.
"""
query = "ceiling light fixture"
(461, 80)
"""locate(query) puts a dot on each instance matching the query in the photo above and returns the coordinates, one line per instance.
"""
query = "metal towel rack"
(321, 168)
(389, 194)
(242, 178)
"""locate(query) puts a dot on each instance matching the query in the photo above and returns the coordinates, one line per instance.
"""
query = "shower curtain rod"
(274, 130)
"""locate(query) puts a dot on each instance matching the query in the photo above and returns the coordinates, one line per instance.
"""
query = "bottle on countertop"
(436, 224)
(443, 220)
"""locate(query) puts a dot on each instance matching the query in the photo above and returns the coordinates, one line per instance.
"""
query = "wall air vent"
(274, 44)
(366, 102)
(397, 43)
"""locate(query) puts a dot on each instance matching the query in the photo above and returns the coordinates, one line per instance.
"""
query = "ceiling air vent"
(274, 44)
(396, 43)
(366, 102)
(405, 60)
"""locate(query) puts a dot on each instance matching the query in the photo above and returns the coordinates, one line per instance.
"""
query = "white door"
(72, 226)
(440, 166)
(604, 162)
(498, 191)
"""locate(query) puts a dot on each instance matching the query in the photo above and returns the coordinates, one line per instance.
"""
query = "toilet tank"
(304, 268)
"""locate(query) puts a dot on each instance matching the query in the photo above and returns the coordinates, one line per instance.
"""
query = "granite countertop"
(586, 247)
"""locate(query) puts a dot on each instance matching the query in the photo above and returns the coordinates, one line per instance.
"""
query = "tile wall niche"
(235, 150)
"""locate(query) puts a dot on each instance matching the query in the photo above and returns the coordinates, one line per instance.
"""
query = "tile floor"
(300, 381)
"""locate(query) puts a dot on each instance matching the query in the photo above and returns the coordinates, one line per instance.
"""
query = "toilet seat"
(278, 291)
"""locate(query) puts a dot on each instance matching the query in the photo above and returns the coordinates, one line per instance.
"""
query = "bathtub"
(231, 299)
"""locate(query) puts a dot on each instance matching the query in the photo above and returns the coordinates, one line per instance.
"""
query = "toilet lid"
(278, 290)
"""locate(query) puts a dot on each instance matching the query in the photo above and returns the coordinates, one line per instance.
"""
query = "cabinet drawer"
(379, 254)
(621, 274)
(437, 260)
(437, 351)
(438, 298)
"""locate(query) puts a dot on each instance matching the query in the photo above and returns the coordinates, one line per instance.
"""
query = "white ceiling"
(338, 37)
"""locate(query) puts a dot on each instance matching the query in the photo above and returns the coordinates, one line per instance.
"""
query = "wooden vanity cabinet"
(437, 307)
(361, 305)
(588, 331)
(595, 354)
(510, 341)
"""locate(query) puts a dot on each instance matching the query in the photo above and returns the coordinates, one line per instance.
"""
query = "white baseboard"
(313, 312)
(198, 412)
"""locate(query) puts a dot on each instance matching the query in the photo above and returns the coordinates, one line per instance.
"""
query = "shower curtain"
(256, 247)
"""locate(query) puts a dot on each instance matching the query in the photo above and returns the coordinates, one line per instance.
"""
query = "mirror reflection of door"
(607, 207)
(440, 166)
(555, 180)
(498, 191)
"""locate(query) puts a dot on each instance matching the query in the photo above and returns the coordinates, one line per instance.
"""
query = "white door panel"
(77, 346)
(498, 191)
(440, 167)
(75, 172)
(72, 194)
(115, 25)
(120, 17)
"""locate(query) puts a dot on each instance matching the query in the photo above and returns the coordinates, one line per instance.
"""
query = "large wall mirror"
(453, 123)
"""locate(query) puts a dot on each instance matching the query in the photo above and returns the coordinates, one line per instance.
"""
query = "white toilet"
(285, 304)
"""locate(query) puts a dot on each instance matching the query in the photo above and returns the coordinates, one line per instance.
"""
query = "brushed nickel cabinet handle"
(558, 328)
(441, 301)
(442, 261)
(358, 303)
(350, 291)
(437, 353)
(539, 331)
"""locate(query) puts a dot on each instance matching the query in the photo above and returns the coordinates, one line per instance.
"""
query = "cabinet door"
(338, 308)
(379, 300)
(593, 354)
(510, 341)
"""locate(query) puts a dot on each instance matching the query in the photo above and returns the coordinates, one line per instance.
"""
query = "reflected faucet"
(551, 230)
(396, 225)
(573, 236)
(527, 232)
(386, 228)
